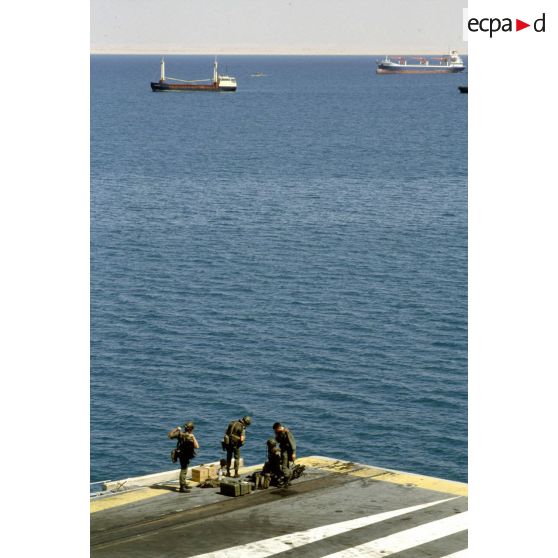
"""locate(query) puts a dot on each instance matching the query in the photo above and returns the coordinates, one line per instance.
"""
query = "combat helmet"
(247, 420)
(189, 425)
(271, 443)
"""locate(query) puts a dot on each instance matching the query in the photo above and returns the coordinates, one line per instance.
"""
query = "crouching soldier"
(234, 439)
(287, 446)
(272, 472)
(186, 446)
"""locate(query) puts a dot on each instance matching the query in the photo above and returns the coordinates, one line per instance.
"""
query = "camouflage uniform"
(233, 441)
(272, 470)
(287, 446)
(186, 445)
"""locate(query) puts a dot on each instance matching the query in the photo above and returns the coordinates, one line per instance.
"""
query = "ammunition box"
(245, 488)
(230, 488)
(235, 488)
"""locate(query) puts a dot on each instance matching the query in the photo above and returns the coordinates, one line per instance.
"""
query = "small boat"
(257, 74)
(463, 88)
(218, 83)
(450, 64)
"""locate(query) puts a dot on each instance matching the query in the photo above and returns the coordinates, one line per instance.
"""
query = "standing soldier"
(233, 440)
(186, 446)
(287, 445)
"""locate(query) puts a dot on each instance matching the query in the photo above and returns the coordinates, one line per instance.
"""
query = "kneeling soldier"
(272, 472)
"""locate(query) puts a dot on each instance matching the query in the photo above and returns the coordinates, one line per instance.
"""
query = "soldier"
(233, 440)
(287, 445)
(186, 446)
(272, 471)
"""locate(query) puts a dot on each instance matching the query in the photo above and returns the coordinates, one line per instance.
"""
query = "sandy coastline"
(422, 52)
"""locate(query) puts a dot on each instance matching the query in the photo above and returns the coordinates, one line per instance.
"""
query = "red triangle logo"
(519, 25)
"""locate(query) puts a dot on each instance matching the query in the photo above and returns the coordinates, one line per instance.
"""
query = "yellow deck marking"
(353, 469)
(368, 472)
(124, 498)
(428, 483)
(331, 465)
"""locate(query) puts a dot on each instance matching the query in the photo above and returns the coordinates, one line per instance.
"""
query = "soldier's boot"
(228, 472)
(236, 466)
(182, 480)
(265, 481)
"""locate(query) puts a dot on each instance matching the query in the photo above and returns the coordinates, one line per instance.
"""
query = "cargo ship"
(218, 83)
(450, 64)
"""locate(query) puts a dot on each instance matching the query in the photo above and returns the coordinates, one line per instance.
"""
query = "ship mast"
(215, 74)
(162, 69)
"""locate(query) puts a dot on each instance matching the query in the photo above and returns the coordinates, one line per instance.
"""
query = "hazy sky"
(277, 26)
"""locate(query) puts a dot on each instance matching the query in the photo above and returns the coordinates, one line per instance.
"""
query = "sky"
(277, 26)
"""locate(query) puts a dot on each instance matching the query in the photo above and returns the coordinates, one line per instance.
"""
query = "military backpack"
(233, 435)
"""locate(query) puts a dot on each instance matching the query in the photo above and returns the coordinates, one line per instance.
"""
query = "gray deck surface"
(173, 524)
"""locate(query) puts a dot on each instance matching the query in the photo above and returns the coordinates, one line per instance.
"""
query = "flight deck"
(337, 509)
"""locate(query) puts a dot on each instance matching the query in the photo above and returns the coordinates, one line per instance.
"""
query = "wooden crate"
(200, 474)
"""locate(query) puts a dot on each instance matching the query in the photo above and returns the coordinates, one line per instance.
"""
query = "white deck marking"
(404, 540)
(282, 543)
(461, 554)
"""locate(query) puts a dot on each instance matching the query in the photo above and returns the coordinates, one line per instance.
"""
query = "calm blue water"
(296, 251)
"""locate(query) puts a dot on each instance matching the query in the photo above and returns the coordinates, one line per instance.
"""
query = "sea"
(295, 251)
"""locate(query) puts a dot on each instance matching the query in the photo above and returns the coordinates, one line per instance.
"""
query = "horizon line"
(297, 53)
